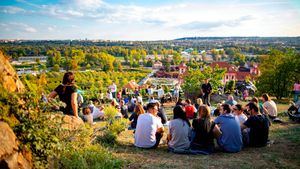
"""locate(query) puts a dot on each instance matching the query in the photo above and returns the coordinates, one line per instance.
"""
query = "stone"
(71, 122)
(9, 155)
(8, 77)
(8, 141)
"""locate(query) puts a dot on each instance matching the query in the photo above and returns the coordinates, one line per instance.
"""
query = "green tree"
(55, 68)
(177, 58)
(194, 79)
(279, 71)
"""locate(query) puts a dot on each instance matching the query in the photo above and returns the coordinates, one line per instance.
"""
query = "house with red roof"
(236, 73)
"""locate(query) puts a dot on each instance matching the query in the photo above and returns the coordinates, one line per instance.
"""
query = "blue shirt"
(231, 138)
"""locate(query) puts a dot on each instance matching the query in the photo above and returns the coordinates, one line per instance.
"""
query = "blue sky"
(147, 20)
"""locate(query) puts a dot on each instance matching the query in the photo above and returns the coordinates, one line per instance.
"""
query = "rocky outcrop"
(8, 76)
(10, 157)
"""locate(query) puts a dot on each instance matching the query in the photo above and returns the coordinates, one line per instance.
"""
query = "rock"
(8, 77)
(8, 141)
(22, 162)
(9, 155)
(71, 122)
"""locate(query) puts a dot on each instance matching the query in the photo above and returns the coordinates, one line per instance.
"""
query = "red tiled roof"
(224, 65)
(240, 76)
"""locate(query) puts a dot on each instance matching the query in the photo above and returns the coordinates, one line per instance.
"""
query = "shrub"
(110, 113)
(90, 157)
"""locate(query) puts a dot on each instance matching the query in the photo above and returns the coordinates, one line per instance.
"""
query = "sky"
(147, 19)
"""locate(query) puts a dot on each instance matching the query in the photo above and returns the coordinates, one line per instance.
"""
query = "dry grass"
(284, 153)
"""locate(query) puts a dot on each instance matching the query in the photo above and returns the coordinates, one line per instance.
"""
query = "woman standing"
(67, 92)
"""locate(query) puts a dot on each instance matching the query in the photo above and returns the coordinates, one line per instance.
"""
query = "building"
(43, 59)
(157, 65)
(236, 73)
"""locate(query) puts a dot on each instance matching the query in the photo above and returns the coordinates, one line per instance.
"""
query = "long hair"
(138, 109)
(68, 79)
(204, 113)
(179, 113)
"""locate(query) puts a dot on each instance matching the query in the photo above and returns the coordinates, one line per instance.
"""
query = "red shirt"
(190, 111)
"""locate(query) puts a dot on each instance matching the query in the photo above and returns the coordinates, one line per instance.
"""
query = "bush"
(110, 113)
(90, 157)
(118, 126)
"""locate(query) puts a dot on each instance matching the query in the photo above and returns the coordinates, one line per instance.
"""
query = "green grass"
(284, 153)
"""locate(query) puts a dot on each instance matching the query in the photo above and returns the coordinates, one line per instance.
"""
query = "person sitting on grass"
(138, 110)
(161, 113)
(149, 129)
(124, 109)
(231, 101)
(231, 138)
(179, 131)
(92, 112)
(259, 127)
(205, 130)
(238, 112)
(190, 109)
(269, 106)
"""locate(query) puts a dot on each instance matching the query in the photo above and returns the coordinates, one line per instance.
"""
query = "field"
(283, 153)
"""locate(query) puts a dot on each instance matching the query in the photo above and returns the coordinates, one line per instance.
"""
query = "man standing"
(259, 127)
(149, 129)
(206, 90)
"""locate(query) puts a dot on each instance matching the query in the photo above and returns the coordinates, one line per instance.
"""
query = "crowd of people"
(194, 128)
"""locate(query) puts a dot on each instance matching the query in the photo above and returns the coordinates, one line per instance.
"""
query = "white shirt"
(242, 118)
(147, 125)
(160, 93)
(97, 113)
(113, 88)
(140, 99)
(271, 107)
(150, 91)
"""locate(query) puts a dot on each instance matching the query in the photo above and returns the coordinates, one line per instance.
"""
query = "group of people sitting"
(233, 129)
(193, 129)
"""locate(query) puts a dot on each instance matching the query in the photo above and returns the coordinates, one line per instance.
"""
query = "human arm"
(160, 130)
(52, 95)
(217, 132)
(74, 104)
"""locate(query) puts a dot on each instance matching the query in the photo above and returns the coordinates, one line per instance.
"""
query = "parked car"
(242, 85)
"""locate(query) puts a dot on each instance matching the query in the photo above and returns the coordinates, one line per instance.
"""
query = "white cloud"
(30, 29)
(18, 26)
(11, 9)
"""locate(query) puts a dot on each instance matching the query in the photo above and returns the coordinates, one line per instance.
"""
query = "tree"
(55, 68)
(194, 79)
(177, 58)
(278, 72)
(230, 86)
(88, 66)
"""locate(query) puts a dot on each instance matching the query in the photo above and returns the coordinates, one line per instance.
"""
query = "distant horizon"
(141, 20)
(87, 39)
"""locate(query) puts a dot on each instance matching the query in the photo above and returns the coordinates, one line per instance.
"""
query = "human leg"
(158, 137)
